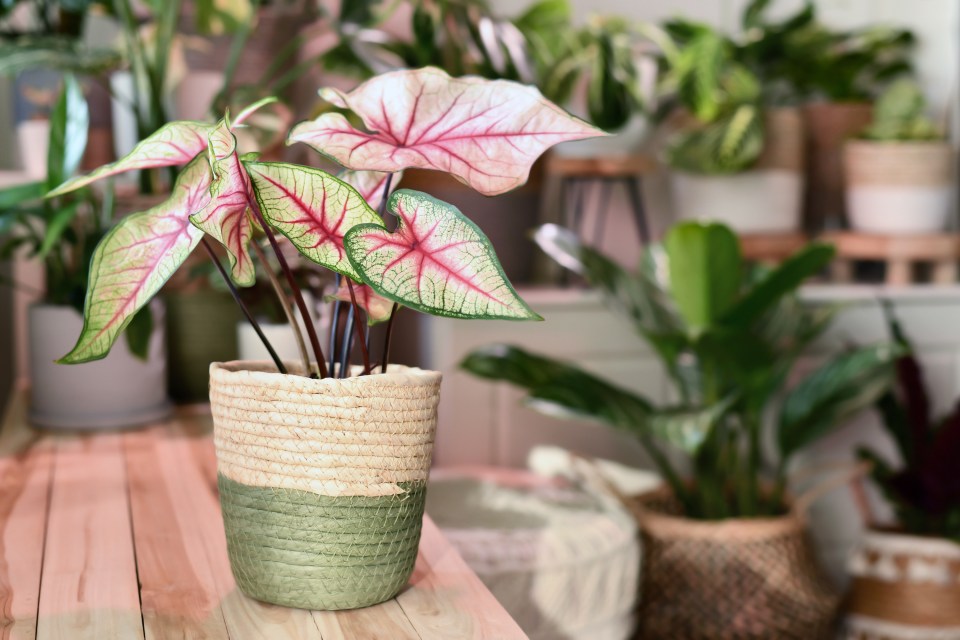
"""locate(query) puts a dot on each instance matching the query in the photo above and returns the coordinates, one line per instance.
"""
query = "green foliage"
(729, 336)
(900, 115)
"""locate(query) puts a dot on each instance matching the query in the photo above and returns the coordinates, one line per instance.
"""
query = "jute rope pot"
(734, 579)
(322, 482)
(904, 588)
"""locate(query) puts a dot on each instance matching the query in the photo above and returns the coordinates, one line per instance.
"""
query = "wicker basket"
(904, 588)
(735, 579)
(322, 482)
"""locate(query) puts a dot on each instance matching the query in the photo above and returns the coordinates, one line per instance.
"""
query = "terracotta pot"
(899, 187)
(828, 126)
(904, 588)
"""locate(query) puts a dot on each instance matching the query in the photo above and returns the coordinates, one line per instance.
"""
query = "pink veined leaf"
(370, 184)
(377, 308)
(226, 216)
(135, 259)
(437, 261)
(312, 209)
(486, 133)
(176, 143)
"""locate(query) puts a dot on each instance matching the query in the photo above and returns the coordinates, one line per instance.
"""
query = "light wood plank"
(385, 621)
(246, 619)
(88, 589)
(25, 475)
(446, 599)
(178, 596)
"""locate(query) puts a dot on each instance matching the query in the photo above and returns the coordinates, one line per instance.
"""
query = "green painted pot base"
(300, 549)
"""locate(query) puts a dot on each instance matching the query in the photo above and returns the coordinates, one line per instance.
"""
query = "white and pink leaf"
(437, 261)
(486, 133)
(312, 209)
(371, 184)
(377, 308)
(135, 259)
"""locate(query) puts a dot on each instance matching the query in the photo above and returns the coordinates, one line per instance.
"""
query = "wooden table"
(118, 536)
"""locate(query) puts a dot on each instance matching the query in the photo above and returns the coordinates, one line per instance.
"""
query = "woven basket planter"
(737, 579)
(899, 187)
(904, 588)
(322, 482)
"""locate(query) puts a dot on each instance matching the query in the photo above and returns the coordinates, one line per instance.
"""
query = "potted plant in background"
(734, 157)
(725, 554)
(900, 171)
(322, 466)
(906, 577)
(127, 388)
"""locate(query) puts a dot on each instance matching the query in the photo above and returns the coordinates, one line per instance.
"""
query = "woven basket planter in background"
(736, 579)
(904, 588)
(322, 482)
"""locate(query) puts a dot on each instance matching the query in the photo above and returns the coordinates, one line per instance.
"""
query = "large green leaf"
(686, 428)
(69, 124)
(313, 209)
(20, 194)
(55, 53)
(561, 389)
(135, 259)
(437, 261)
(705, 271)
(782, 281)
(834, 393)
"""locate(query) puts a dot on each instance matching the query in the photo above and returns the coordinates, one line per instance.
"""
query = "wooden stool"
(900, 253)
(577, 174)
(771, 248)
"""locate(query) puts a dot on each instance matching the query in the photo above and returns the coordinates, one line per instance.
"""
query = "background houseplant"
(901, 573)
(900, 171)
(728, 338)
(129, 387)
(736, 155)
(295, 438)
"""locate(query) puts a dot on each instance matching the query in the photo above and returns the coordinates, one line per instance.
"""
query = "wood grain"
(446, 600)
(88, 588)
(179, 599)
(25, 475)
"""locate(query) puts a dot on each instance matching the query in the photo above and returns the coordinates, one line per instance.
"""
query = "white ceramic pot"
(899, 187)
(117, 391)
(755, 201)
(280, 335)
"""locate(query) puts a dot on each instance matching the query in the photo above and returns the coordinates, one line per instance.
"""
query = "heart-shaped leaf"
(370, 184)
(377, 308)
(133, 261)
(486, 133)
(176, 143)
(312, 209)
(437, 261)
(226, 215)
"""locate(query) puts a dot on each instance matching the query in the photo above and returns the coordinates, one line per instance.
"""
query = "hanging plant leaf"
(135, 259)
(173, 144)
(226, 216)
(370, 184)
(377, 308)
(312, 209)
(487, 133)
(437, 261)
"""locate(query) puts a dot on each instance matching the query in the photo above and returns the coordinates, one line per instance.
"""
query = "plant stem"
(346, 344)
(386, 340)
(291, 281)
(334, 327)
(285, 305)
(359, 329)
(243, 307)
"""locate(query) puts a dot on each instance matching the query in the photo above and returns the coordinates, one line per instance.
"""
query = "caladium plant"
(485, 133)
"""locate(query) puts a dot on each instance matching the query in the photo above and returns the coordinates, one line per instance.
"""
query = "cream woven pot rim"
(264, 371)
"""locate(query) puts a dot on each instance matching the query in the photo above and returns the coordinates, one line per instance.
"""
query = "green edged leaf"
(312, 209)
(705, 271)
(176, 143)
(135, 259)
(437, 261)
(834, 393)
(371, 184)
(226, 216)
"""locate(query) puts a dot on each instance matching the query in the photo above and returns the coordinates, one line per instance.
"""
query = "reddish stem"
(360, 336)
(386, 341)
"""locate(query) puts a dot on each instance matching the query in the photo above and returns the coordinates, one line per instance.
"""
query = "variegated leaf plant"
(485, 133)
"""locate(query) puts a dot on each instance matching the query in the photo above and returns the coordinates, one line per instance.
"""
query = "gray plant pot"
(116, 392)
